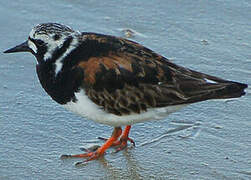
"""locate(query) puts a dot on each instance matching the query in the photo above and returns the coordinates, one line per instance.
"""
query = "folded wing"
(129, 78)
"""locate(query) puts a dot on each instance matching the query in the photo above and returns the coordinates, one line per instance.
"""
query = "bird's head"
(47, 41)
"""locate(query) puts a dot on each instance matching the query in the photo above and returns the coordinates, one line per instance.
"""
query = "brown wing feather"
(130, 78)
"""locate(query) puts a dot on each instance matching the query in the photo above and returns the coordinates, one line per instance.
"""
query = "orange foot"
(112, 141)
(122, 142)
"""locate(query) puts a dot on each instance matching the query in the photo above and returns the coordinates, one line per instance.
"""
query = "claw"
(80, 163)
(65, 156)
(131, 141)
(103, 139)
(91, 156)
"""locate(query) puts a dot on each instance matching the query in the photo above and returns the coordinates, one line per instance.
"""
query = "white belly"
(86, 108)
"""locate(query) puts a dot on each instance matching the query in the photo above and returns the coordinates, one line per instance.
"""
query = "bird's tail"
(221, 91)
(211, 87)
(196, 86)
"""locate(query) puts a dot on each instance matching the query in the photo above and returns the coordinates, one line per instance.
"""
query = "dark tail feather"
(221, 91)
(231, 90)
(213, 87)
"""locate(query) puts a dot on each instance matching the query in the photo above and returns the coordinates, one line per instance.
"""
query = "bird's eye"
(39, 42)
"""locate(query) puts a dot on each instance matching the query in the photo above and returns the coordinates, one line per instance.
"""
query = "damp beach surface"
(207, 140)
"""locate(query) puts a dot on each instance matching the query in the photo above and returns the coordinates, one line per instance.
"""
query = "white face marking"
(50, 42)
(32, 46)
(58, 62)
(210, 81)
(48, 39)
(86, 108)
(52, 45)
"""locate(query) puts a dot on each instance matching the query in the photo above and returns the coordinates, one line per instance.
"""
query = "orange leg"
(122, 142)
(101, 150)
(124, 138)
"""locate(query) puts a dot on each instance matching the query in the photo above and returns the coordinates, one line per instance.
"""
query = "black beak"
(19, 48)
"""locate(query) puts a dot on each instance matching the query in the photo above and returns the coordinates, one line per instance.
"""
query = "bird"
(115, 81)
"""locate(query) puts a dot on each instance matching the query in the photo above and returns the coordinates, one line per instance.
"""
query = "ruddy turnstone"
(115, 81)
